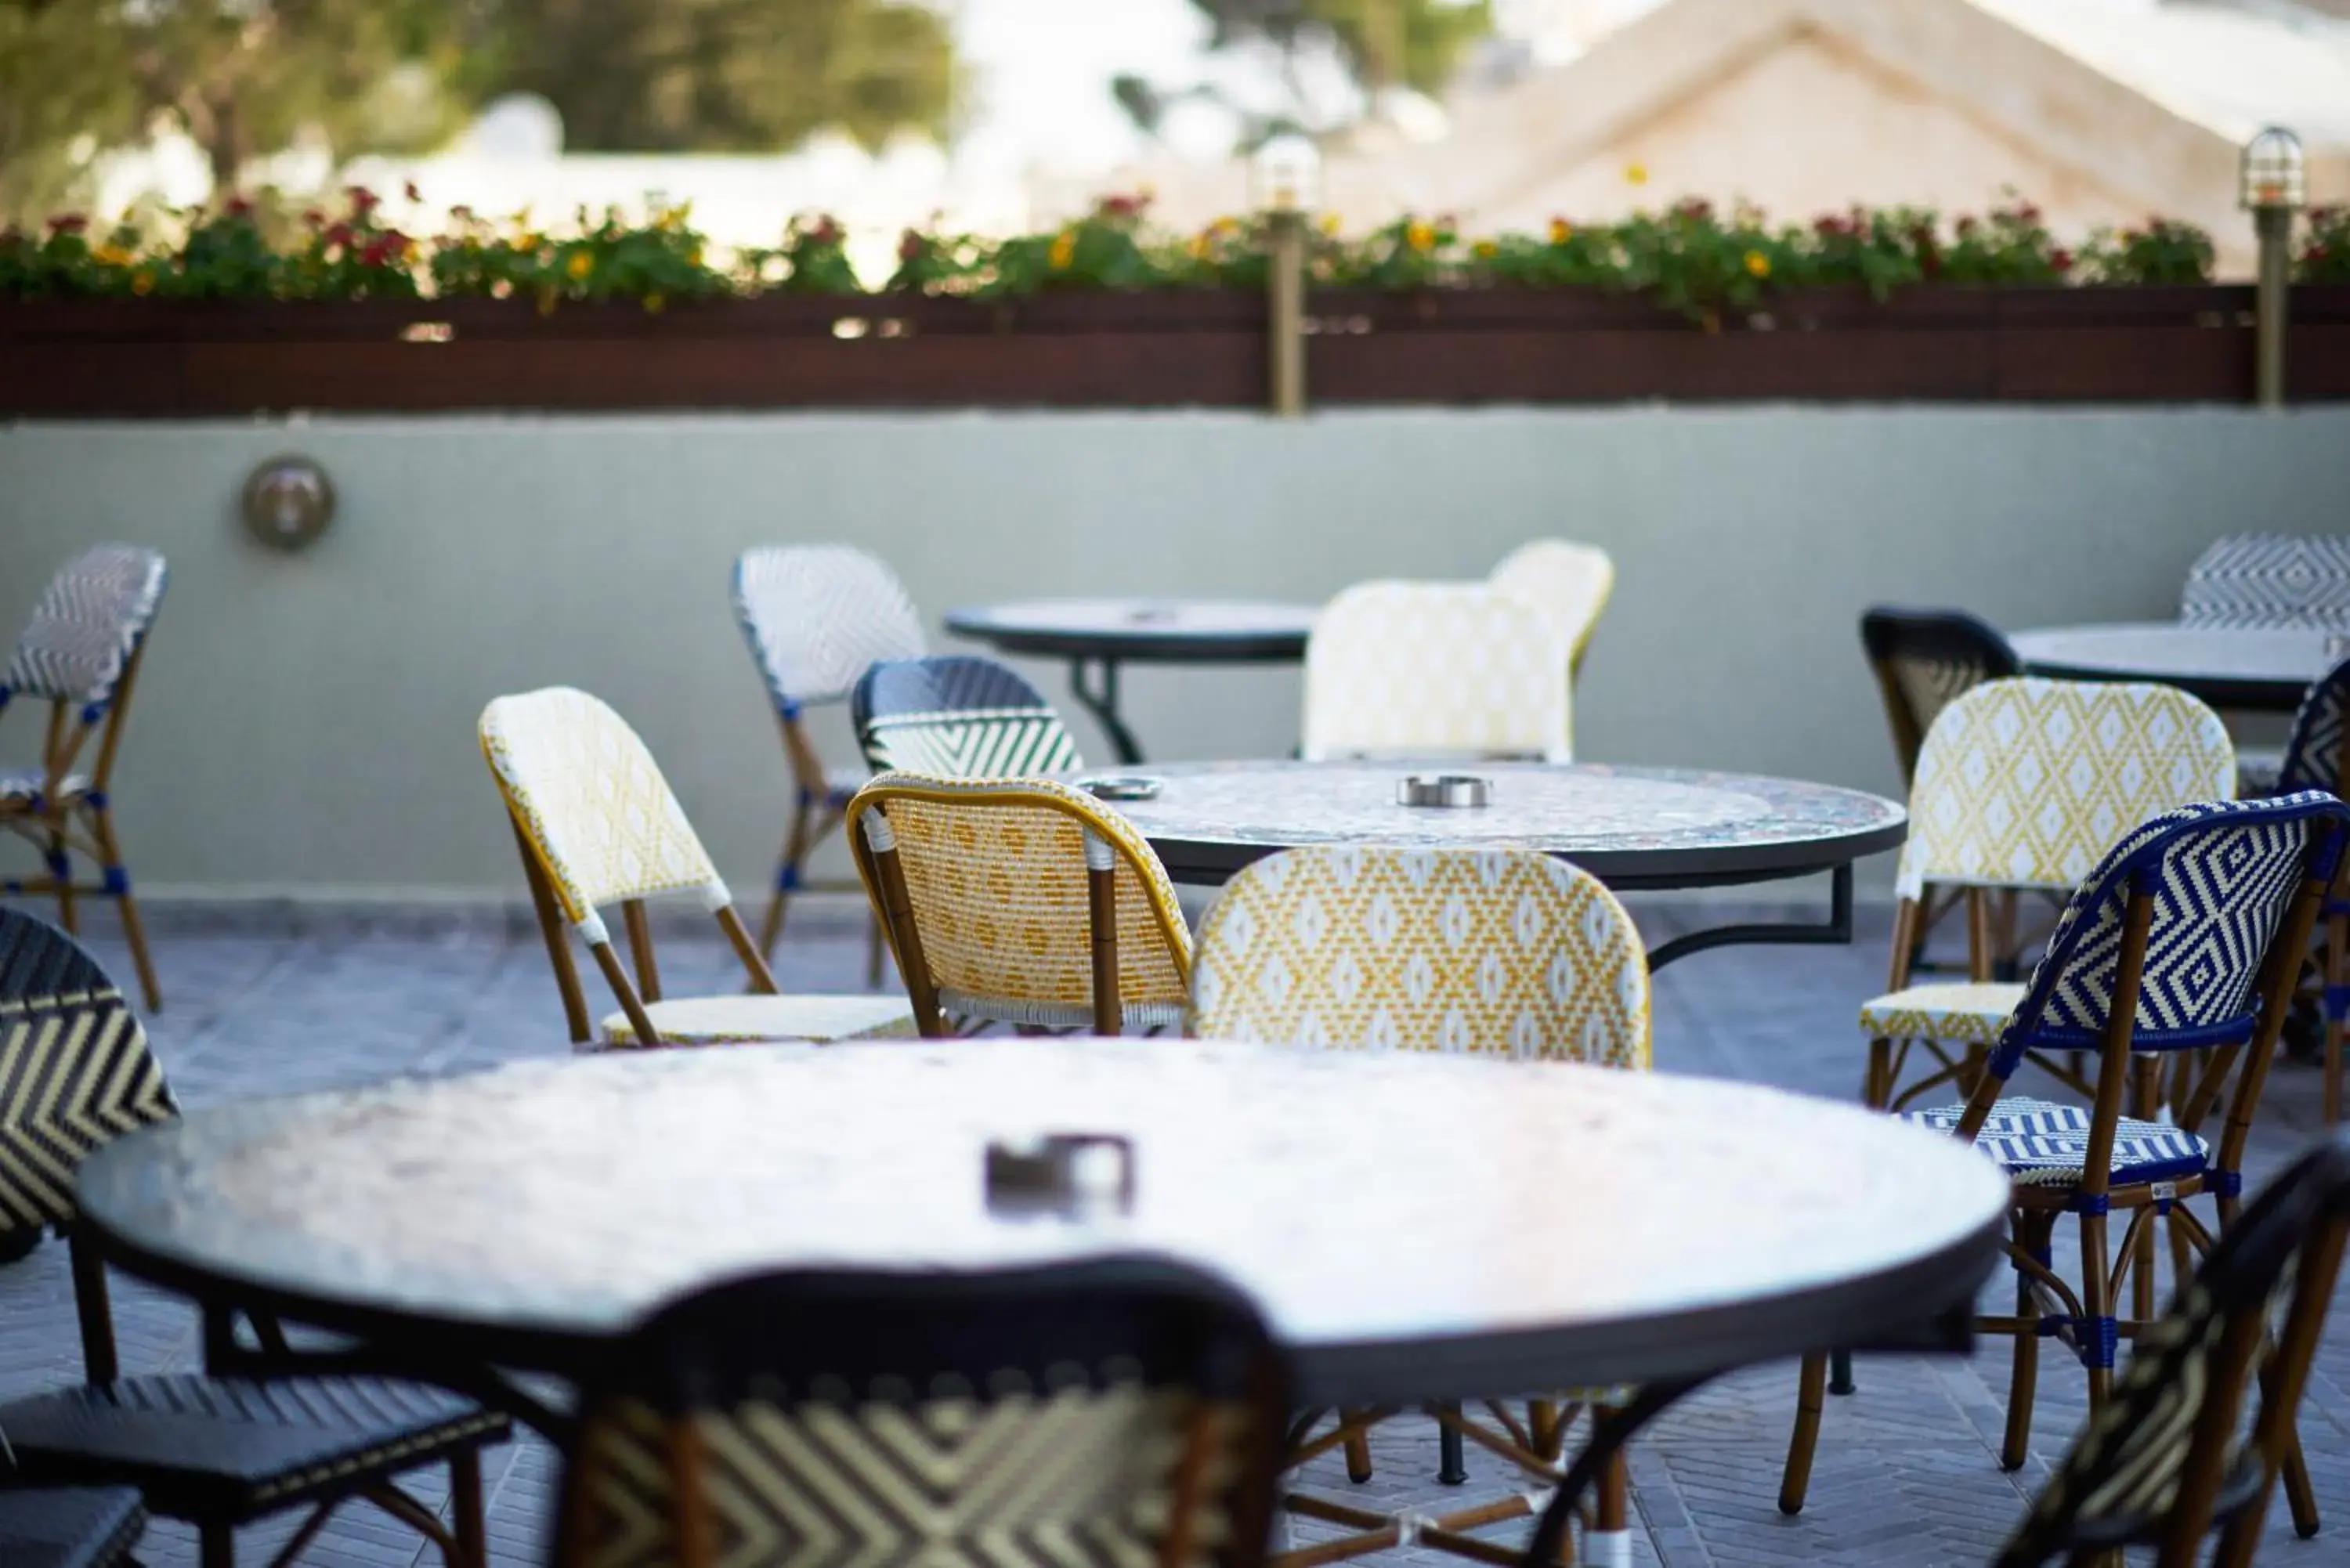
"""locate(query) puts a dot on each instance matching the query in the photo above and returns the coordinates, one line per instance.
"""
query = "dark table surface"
(1158, 630)
(2262, 668)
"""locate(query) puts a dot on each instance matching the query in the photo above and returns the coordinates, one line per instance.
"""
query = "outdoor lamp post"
(2275, 187)
(1285, 184)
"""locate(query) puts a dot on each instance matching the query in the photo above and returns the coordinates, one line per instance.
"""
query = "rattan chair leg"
(1875, 1088)
(617, 978)
(1795, 1479)
(1101, 911)
(763, 979)
(2337, 975)
(134, 930)
(61, 872)
(787, 874)
(2096, 1311)
(558, 940)
(1358, 1453)
(639, 927)
(2032, 1232)
(1608, 1544)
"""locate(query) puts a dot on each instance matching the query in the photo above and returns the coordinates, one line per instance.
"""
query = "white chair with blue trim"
(2174, 962)
(2317, 756)
(816, 618)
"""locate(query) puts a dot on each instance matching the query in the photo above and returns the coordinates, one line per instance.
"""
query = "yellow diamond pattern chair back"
(1021, 900)
(1430, 670)
(1569, 582)
(1504, 953)
(598, 824)
(2027, 782)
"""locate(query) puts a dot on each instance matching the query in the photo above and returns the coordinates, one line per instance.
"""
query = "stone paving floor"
(285, 1001)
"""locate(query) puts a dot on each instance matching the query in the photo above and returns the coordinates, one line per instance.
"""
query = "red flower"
(1121, 207)
(69, 224)
(340, 234)
(411, 192)
(363, 200)
(313, 217)
(1968, 226)
(1696, 209)
(1930, 264)
(2061, 259)
(2027, 213)
(378, 252)
(238, 207)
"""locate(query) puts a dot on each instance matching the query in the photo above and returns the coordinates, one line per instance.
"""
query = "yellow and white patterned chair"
(1571, 583)
(2022, 784)
(1020, 901)
(596, 824)
(1500, 953)
(1430, 670)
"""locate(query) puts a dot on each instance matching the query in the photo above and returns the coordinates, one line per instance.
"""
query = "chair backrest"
(593, 805)
(2270, 579)
(2314, 758)
(1123, 1410)
(1400, 669)
(1366, 948)
(74, 1069)
(86, 628)
(1569, 582)
(2162, 1463)
(2026, 783)
(817, 616)
(957, 716)
(1925, 659)
(999, 896)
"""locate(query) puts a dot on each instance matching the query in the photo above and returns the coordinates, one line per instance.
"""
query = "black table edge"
(1141, 644)
(2247, 693)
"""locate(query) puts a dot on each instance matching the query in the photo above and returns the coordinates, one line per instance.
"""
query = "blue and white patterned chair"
(2176, 957)
(957, 716)
(80, 652)
(2314, 758)
(2270, 579)
(816, 617)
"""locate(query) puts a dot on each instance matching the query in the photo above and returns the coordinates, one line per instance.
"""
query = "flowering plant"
(813, 259)
(2327, 256)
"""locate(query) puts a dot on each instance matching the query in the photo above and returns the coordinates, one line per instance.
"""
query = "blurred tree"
(751, 76)
(65, 91)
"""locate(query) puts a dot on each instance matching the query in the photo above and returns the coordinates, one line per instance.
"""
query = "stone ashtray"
(1068, 1174)
(1453, 790)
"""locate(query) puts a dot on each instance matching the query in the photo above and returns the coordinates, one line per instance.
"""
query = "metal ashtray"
(1061, 1173)
(1130, 786)
(1454, 791)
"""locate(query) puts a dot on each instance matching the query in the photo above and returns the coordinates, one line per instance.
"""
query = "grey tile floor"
(1907, 1473)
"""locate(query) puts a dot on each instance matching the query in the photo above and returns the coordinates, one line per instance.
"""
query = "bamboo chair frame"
(874, 842)
(62, 824)
(815, 815)
(2200, 1082)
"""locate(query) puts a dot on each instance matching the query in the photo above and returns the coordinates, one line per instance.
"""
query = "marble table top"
(1142, 628)
(2256, 667)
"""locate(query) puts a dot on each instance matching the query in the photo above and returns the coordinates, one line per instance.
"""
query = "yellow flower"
(1330, 225)
(655, 304)
(1635, 173)
(580, 265)
(142, 281)
(529, 239)
(1204, 246)
(1758, 264)
(1486, 250)
(1561, 231)
(109, 255)
(1064, 249)
(1419, 237)
(693, 256)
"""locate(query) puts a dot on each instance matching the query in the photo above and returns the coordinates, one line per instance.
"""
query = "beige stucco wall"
(307, 721)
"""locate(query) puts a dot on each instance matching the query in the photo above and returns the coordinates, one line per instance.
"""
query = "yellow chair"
(1478, 953)
(1569, 582)
(2022, 784)
(596, 824)
(1020, 901)
(1430, 670)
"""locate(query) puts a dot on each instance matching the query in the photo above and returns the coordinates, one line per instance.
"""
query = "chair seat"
(75, 1527)
(224, 1450)
(1970, 1012)
(728, 1019)
(841, 783)
(2044, 1144)
(20, 785)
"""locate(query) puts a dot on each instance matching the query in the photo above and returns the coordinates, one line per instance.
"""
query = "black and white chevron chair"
(957, 716)
(2169, 1461)
(2314, 758)
(70, 1527)
(2173, 965)
(218, 1452)
(1122, 1410)
(817, 616)
(2270, 579)
(80, 653)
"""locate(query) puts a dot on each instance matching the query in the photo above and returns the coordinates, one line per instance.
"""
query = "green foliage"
(2325, 258)
(1385, 43)
(61, 77)
(813, 259)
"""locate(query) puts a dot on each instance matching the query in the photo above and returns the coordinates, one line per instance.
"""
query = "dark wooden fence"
(182, 359)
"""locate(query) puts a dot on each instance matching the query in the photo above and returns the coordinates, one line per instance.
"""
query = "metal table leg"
(1835, 929)
(1101, 701)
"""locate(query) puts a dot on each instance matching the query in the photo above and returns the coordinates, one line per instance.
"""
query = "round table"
(2253, 668)
(1574, 1225)
(1106, 633)
(1633, 828)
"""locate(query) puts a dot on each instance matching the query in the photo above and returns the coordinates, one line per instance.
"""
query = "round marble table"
(1633, 828)
(1103, 634)
(2254, 669)
(1573, 1225)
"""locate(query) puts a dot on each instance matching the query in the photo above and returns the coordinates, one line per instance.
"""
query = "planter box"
(186, 359)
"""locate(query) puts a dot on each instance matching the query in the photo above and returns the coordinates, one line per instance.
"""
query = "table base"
(1835, 930)
(1100, 700)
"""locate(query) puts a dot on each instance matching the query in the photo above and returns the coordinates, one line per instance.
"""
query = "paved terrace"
(1906, 1474)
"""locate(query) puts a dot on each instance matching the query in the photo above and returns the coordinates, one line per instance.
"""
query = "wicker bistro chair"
(1020, 901)
(2176, 956)
(81, 652)
(218, 1452)
(1424, 669)
(2164, 1466)
(1570, 582)
(2270, 579)
(816, 617)
(70, 1527)
(2022, 785)
(1122, 1410)
(596, 824)
(2315, 757)
(1502, 953)
(958, 717)
(1924, 661)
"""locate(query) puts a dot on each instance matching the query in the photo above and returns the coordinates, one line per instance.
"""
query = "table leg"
(1836, 930)
(1101, 701)
(1611, 1430)
(1452, 1465)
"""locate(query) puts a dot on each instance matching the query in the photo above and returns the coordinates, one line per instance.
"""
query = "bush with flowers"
(2326, 257)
